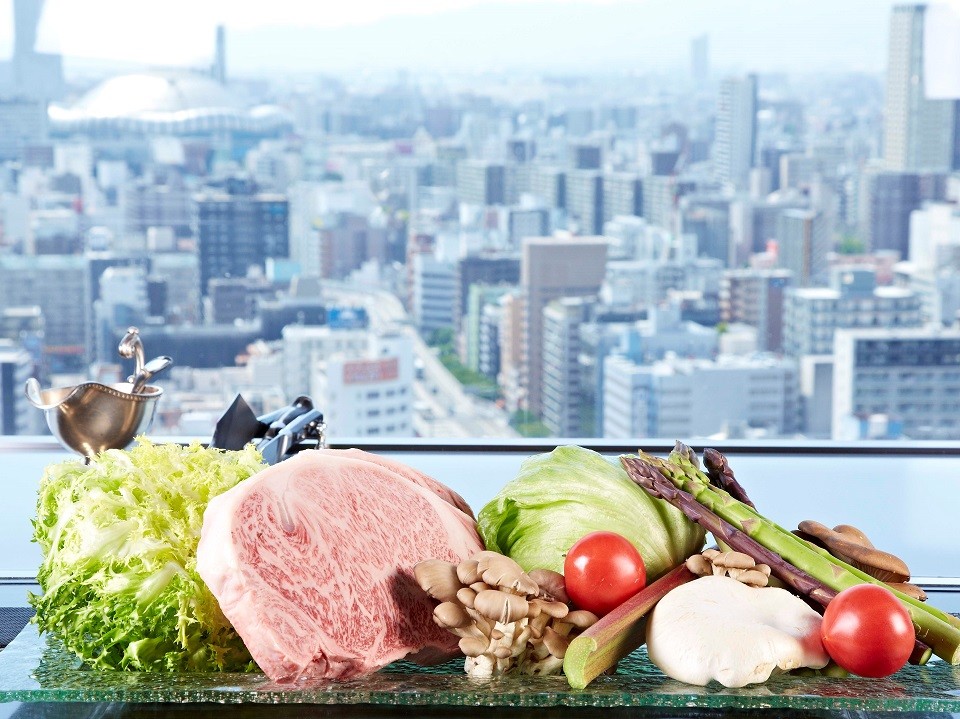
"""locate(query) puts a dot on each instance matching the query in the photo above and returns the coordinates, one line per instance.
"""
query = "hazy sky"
(293, 35)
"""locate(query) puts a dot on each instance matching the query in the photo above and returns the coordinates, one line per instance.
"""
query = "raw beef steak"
(312, 562)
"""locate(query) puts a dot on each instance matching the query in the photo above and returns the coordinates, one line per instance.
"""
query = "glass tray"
(38, 669)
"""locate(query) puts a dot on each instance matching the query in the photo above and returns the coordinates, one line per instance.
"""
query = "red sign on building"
(367, 371)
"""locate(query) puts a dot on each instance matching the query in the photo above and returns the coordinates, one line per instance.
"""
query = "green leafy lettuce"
(119, 539)
(559, 497)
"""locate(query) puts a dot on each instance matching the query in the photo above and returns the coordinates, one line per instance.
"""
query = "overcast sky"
(293, 35)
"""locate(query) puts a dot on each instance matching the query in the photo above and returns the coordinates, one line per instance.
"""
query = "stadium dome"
(184, 104)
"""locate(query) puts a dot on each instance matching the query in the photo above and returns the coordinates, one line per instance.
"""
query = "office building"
(700, 59)
(482, 183)
(622, 195)
(61, 286)
(551, 268)
(735, 146)
(482, 270)
(564, 411)
(16, 367)
(586, 156)
(367, 393)
(918, 130)
(886, 200)
(477, 321)
(153, 205)
(853, 300)
(803, 242)
(238, 232)
(550, 185)
(122, 303)
(346, 242)
(520, 222)
(905, 380)
(708, 219)
(585, 200)
(730, 396)
(661, 197)
(434, 294)
(755, 297)
(304, 345)
(23, 123)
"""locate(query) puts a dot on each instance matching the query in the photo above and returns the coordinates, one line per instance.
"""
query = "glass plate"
(38, 669)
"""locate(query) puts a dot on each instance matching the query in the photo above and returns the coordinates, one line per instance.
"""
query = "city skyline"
(469, 35)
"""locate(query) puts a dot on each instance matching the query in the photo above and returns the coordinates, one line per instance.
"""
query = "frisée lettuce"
(119, 539)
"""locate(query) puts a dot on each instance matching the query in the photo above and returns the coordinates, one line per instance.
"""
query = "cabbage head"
(559, 497)
(119, 539)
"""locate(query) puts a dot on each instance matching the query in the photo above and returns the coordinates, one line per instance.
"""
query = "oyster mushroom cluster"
(506, 619)
(736, 565)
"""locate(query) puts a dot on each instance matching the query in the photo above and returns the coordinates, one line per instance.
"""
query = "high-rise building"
(735, 146)
(700, 398)
(61, 286)
(482, 270)
(918, 130)
(907, 379)
(434, 294)
(803, 242)
(148, 204)
(585, 200)
(564, 412)
(700, 59)
(754, 297)
(622, 195)
(813, 314)
(237, 232)
(367, 393)
(886, 201)
(16, 367)
(482, 183)
(550, 268)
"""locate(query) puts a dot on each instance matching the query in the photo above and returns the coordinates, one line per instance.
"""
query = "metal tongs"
(278, 435)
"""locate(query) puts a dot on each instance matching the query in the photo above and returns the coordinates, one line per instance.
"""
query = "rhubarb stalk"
(618, 633)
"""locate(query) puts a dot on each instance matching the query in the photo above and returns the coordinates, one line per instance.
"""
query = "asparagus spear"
(691, 472)
(720, 474)
(933, 627)
(650, 479)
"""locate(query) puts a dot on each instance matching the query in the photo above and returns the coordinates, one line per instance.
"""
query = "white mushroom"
(719, 628)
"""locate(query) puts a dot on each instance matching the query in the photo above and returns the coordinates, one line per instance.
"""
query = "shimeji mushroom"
(505, 619)
(717, 628)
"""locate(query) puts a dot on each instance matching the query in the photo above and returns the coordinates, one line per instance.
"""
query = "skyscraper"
(918, 131)
(554, 267)
(700, 58)
(237, 231)
(735, 146)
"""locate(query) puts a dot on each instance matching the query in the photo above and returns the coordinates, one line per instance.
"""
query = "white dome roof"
(165, 104)
(148, 94)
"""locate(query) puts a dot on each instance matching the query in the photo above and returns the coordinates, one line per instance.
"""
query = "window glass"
(535, 218)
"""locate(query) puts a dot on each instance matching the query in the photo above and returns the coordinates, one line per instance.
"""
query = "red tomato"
(868, 631)
(602, 570)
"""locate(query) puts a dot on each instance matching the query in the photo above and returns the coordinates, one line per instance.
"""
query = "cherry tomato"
(602, 570)
(867, 631)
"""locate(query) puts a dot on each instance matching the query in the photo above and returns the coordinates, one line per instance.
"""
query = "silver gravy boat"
(91, 417)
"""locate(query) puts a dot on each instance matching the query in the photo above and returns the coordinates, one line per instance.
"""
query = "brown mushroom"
(500, 606)
(911, 590)
(437, 578)
(848, 547)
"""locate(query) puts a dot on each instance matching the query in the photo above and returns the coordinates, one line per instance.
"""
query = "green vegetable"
(119, 538)
(561, 496)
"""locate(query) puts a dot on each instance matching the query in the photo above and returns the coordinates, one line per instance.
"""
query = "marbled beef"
(312, 561)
